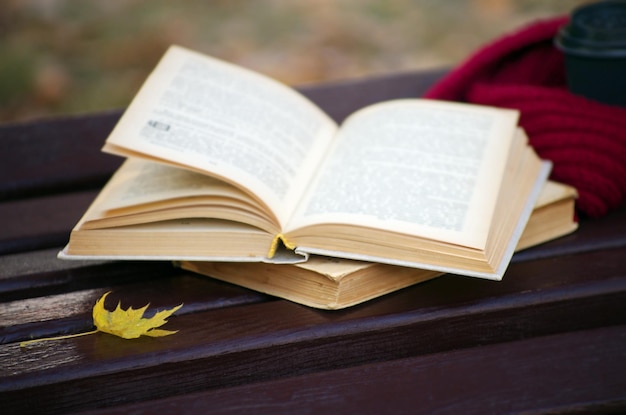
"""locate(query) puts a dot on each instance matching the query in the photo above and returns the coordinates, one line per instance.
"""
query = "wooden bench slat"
(533, 376)
(70, 312)
(55, 155)
(41, 262)
(73, 277)
(39, 223)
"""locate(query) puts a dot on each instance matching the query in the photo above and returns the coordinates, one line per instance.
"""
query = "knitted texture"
(585, 140)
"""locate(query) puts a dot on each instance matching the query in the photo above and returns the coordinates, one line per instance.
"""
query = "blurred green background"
(73, 56)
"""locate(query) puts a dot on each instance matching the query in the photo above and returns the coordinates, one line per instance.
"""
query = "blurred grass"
(72, 56)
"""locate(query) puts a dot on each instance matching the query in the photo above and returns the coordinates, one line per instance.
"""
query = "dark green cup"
(594, 45)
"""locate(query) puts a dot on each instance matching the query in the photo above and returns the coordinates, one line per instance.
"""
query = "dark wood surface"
(549, 338)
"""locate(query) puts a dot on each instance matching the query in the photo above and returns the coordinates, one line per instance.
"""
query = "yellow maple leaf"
(130, 323)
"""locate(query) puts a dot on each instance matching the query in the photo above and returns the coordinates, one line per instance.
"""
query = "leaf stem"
(67, 336)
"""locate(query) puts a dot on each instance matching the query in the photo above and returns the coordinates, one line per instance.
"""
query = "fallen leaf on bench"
(128, 324)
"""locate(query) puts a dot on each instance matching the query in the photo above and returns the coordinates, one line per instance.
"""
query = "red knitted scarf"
(585, 140)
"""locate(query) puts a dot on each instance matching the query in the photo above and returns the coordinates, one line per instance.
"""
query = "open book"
(333, 283)
(226, 164)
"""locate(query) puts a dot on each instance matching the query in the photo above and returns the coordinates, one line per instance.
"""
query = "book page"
(416, 167)
(198, 112)
(141, 182)
(142, 191)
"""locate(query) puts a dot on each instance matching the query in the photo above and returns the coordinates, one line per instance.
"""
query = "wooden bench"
(549, 338)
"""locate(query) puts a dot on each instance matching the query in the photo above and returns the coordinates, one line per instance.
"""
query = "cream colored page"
(227, 121)
(416, 167)
(554, 191)
(141, 181)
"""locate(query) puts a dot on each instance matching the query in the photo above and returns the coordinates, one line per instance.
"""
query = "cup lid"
(595, 30)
